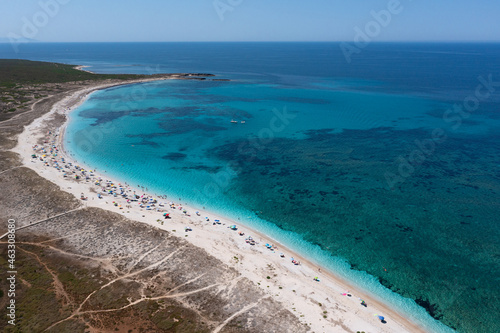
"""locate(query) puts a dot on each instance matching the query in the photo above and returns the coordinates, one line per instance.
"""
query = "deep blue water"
(365, 167)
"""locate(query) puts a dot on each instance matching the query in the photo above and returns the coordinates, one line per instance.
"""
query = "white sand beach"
(328, 305)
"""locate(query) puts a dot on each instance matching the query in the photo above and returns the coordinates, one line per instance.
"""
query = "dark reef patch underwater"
(432, 238)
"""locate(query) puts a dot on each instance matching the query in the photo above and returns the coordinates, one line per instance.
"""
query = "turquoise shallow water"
(307, 167)
(322, 162)
(180, 129)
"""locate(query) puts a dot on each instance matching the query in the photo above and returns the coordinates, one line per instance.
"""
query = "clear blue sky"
(249, 20)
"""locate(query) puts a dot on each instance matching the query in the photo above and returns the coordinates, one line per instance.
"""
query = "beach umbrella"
(381, 318)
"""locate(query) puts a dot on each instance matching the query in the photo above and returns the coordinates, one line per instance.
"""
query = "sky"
(250, 20)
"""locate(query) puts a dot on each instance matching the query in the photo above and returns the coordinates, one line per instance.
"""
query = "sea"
(382, 166)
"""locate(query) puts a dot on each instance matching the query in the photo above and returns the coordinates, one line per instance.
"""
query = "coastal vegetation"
(23, 82)
(20, 72)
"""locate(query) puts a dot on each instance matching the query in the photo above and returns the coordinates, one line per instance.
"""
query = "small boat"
(242, 121)
(233, 121)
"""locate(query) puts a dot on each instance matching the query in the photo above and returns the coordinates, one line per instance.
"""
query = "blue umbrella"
(381, 318)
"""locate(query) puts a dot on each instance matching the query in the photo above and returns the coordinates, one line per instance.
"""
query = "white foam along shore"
(321, 304)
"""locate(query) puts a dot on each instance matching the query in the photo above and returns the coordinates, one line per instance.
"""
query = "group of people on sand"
(273, 248)
(49, 155)
(348, 294)
(125, 197)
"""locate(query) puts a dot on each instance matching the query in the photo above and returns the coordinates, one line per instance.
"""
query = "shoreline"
(225, 244)
(81, 68)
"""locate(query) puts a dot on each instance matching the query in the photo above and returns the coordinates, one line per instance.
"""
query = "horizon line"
(3, 41)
